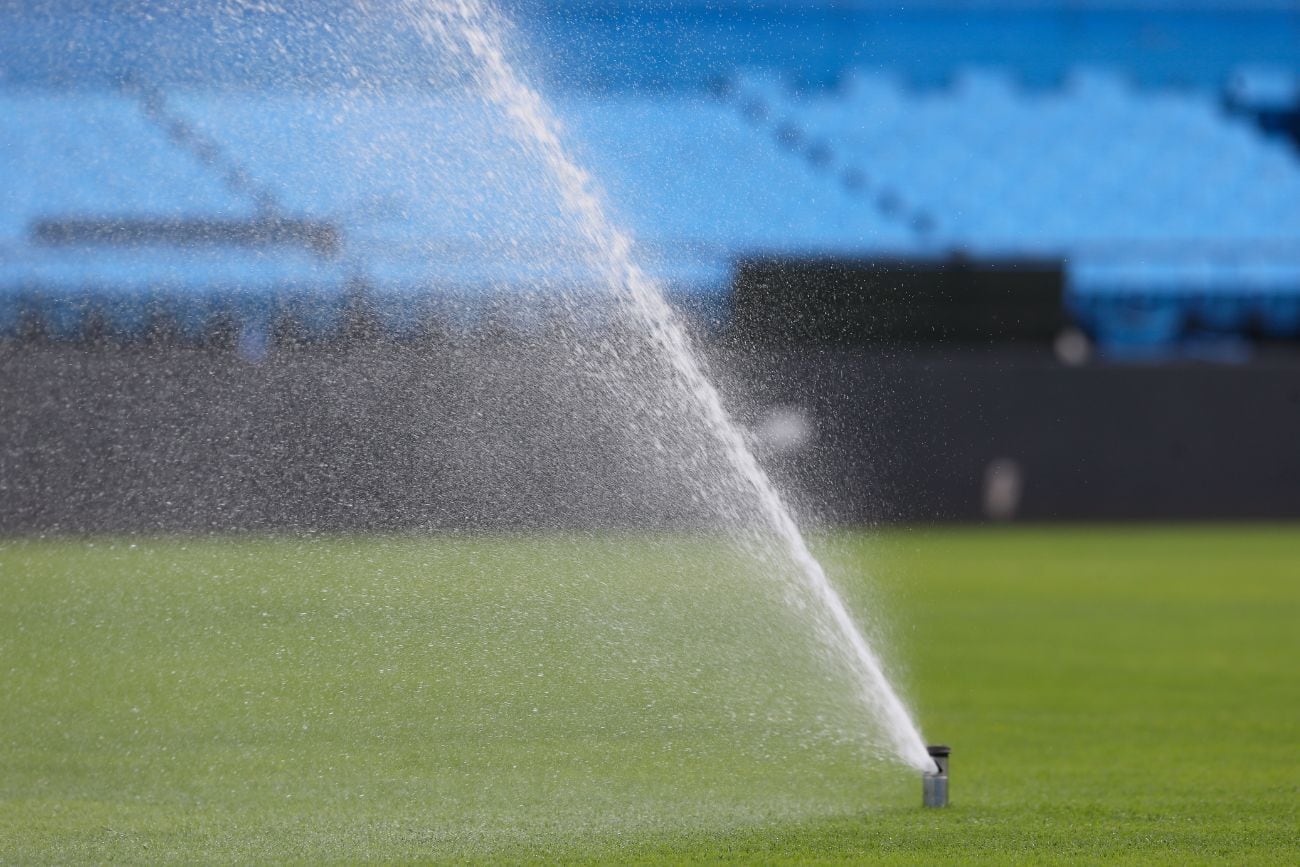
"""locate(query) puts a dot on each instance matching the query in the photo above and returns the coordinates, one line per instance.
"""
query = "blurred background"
(955, 261)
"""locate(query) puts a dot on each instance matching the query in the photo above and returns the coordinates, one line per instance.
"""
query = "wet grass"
(1111, 694)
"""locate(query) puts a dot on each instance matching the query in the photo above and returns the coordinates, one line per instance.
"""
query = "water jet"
(934, 784)
(472, 31)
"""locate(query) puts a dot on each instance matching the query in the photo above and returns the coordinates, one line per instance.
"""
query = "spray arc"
(472, 31)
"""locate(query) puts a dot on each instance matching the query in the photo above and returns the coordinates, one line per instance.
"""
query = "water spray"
(934, 784)
(471, 29)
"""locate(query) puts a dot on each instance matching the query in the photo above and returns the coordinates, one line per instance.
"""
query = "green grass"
(1110, 694)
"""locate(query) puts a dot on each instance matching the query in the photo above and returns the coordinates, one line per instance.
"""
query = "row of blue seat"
(626, 46)
(1152, 303)
(432, 195)
(1001, 170)
(1137, 320)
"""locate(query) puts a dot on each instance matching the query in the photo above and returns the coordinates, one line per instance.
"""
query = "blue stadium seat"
(99, 157)
(130, 288)
(1276, 288)
(1171, 214)
(96, 155)
(1260, 87)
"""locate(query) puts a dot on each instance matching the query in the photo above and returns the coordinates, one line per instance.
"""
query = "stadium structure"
(1113, 180)
(1146, 151)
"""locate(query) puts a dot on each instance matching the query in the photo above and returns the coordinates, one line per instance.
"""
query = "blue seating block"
(1172, 215)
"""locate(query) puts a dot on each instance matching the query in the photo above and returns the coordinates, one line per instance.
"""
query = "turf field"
(1110, 694)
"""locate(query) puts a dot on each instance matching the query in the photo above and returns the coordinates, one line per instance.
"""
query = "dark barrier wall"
(481, 431)
(917, 437)
(384, 437)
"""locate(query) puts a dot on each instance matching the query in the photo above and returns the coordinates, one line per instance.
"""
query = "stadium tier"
(1172, 215)
(430, 198)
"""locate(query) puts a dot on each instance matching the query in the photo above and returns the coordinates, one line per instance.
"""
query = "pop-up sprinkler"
(934, 784)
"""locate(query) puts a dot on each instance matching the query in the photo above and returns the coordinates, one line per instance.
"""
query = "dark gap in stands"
(855, 302)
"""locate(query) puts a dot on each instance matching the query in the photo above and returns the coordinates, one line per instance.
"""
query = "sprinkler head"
(934, 784)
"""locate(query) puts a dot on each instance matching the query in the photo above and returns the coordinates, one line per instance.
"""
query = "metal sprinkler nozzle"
(934, 784)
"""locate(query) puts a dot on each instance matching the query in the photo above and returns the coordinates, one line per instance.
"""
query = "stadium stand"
(105, 220)
(1165, 183)
(445, 201)
(1170, 215)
